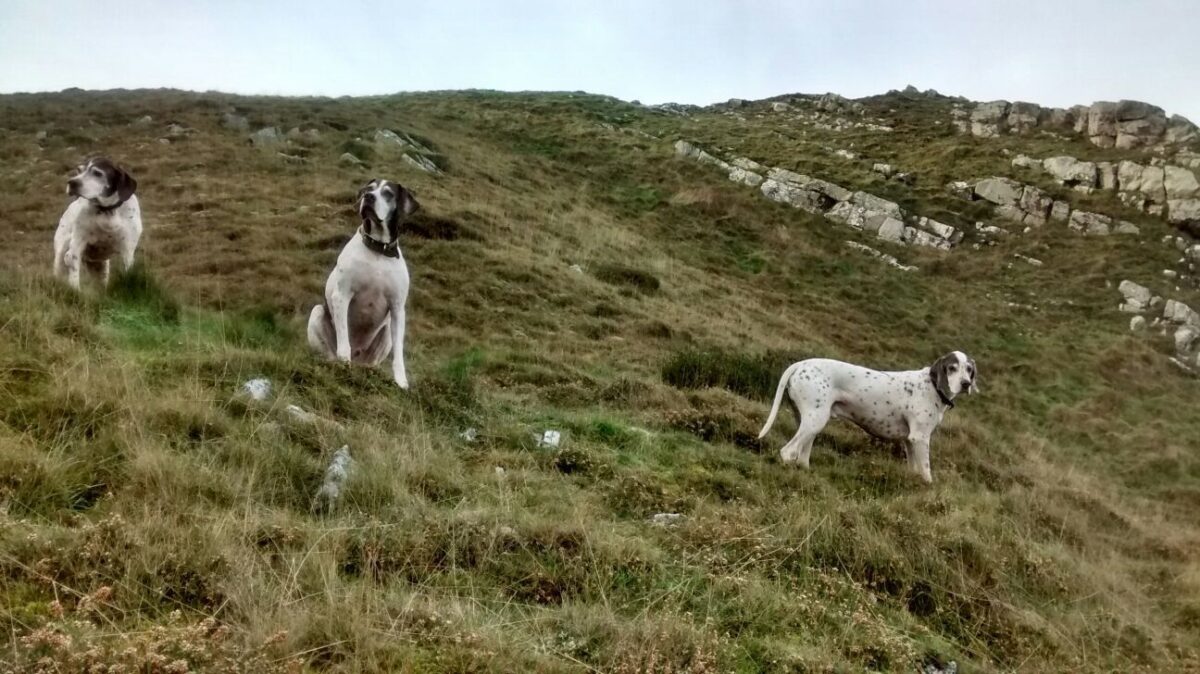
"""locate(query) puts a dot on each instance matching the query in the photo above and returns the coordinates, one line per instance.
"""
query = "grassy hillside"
(152, 516)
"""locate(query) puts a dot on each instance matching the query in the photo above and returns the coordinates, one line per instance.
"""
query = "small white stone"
(550, 438)
(335, 478)
(666, 519)
(1185, 340)
(258, 389)
(300, 414)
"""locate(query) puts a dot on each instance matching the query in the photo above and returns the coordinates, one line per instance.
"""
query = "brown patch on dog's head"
(101, 181)
(940, 373)
(383, 205)
(953, 374)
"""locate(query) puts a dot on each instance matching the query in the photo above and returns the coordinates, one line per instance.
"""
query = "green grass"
(623, 275)
(750, 375)
(151, 513)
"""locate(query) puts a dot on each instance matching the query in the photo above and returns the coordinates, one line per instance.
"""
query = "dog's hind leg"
(338, 308)
(320, 332)
(374, 353)
(812, 421)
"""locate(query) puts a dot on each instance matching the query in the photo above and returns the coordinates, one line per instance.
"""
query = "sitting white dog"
(362, 318)
(103, 222)
(905, 406)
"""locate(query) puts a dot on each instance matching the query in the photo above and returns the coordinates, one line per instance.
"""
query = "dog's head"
(383, 205)
(954, 374)
(101, 181)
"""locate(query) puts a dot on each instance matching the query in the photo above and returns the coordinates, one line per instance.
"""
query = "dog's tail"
(779, 391)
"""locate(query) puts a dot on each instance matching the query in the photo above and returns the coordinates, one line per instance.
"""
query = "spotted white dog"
(104, 221)
(362, 318)
(905, 406)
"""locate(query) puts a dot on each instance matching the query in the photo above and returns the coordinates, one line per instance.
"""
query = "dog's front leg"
(73, 260)
(339, 315)
(128, 248)
(102, 269)
(397, 318)
(918, 456)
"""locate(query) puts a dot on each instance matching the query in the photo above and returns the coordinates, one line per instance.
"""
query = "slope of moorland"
(152, 517)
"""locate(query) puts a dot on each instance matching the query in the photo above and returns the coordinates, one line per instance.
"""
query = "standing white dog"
(905, 406)
(104, 221)
(362, 318)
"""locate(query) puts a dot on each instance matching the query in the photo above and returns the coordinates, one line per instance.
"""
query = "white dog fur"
(104, 221)
(905, 406)
(362, 318)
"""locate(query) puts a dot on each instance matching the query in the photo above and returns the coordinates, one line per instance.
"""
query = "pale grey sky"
(694, 51)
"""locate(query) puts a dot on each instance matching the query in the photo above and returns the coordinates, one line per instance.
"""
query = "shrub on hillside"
(428, 226)
(623, 275)
(712, 426)
(358, 148)
(137, 287)
(749, 375)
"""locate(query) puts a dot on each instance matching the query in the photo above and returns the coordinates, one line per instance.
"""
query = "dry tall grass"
(154, 519)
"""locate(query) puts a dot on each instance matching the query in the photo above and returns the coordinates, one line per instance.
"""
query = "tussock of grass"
(137, 288)
(750, 375)
(438, 227)
(623, 275)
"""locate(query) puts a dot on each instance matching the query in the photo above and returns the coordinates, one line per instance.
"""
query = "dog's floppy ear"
(940, 373)
(974, 388)
(123, 184)
(408, 204)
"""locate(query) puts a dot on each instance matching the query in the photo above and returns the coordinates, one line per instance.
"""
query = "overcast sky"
(695, 51)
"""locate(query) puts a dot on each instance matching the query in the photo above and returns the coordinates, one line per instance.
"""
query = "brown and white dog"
(905, 406)
(362, 318)
(104, 221)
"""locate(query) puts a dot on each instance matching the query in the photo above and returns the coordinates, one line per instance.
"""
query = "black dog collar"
(106, 210)
(375, 245)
